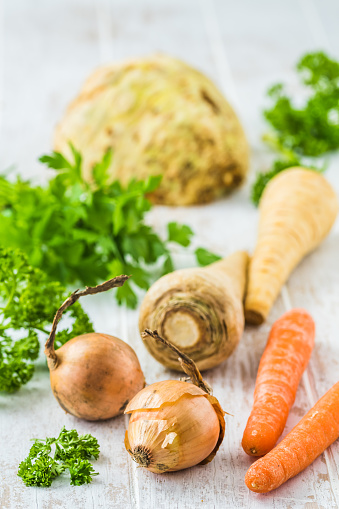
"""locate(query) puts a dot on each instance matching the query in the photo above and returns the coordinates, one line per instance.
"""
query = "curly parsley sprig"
(28, 301)
(308, 131)
(72, 452)
(312, 129)
(279, 165)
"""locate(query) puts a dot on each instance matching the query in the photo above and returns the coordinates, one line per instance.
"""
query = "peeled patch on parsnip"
(199, 310)
(297, 210)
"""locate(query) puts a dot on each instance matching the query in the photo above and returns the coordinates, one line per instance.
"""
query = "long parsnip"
(297, 211)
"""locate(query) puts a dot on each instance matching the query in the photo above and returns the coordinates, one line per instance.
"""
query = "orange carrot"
(285, 358)
(307, 440)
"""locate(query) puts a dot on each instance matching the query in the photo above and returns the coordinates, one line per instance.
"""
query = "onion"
(93, 376)
(174, 425)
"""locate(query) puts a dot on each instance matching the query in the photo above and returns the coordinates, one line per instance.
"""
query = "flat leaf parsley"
(85, 232)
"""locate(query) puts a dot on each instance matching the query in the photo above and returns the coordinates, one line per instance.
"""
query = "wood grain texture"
(48, 48)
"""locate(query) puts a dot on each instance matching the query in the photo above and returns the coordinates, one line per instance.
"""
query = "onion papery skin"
(95, 376)
(174, 425)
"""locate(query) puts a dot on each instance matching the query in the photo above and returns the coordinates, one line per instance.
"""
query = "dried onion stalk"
(174, 424)
(93, 376)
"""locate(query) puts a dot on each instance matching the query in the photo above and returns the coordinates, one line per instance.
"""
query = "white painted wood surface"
(46, 51)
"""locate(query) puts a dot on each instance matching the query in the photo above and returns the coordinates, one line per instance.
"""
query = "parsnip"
(199, 310)
(297, 211)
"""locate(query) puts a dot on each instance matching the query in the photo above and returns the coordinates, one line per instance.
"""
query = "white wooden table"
(46, 50)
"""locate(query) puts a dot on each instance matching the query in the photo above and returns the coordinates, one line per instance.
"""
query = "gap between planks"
(212, 27)
(132, 467)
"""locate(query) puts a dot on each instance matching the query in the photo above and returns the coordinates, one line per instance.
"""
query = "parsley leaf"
(263, 178)
(70, 445)
(84, 232)
(72, 452)
(205, 257)
(40, 472)
(16, 360)
(81, 472)
(28, 301)
(179, 233)
(312, 129)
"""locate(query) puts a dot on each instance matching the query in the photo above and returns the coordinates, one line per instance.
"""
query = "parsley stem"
(273, 142)
(10, 296)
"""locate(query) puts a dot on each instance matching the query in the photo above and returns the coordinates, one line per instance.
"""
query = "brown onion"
(174, 425)
(93, 376)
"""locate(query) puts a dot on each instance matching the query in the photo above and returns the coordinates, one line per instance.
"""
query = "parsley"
(279, 165)
(312, 129)
(181, 234)
(81, 232)
(27, 306)
(71, 451)
(205, 257)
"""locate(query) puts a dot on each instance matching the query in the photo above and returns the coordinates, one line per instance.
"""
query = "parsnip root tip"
(254, 317)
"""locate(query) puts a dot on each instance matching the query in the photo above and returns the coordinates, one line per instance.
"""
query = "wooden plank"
(49, 50)
(245, 47)
(321, 300)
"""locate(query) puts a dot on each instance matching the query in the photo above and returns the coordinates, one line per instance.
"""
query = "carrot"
(316, 431)
(297, 211)
(284, 360)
